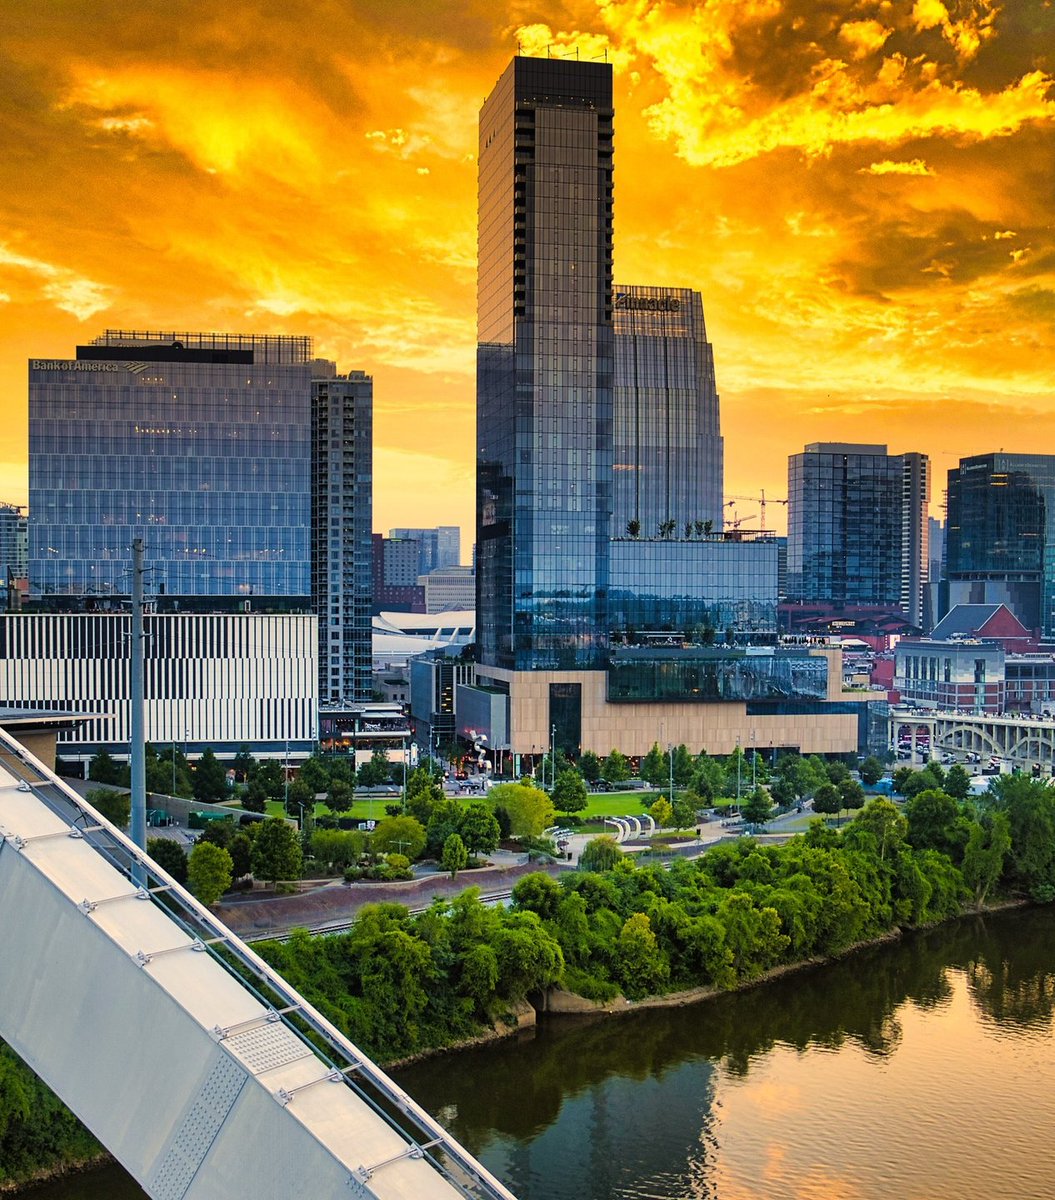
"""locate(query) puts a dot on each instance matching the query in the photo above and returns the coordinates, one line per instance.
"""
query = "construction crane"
(760, 501)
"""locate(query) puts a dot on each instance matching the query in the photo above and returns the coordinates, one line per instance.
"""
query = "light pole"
(738, 756)
(552, 757)
(670, 752)
(754, 757)
(285, 778)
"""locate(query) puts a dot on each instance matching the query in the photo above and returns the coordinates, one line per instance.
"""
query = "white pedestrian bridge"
(204, 1073)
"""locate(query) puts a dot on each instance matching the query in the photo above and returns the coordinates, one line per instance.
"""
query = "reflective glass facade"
(545, 366)
(202, 449)
(857, 526)
(698, 589)
(667, 453)
(707, 676)
(1000, 533)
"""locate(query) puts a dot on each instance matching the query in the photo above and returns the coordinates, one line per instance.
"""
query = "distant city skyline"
(862, 200)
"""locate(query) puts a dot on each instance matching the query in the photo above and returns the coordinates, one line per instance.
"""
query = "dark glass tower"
(857, 526)
(1000, 536)
(545, 366)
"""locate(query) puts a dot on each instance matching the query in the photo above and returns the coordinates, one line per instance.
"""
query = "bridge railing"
(424, 1136)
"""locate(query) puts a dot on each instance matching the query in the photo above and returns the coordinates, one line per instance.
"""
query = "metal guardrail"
(424, 1136)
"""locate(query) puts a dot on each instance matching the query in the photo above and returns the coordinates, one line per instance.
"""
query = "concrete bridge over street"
(1021, 741)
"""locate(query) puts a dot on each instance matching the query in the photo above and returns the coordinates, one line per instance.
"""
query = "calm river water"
(917, 1071)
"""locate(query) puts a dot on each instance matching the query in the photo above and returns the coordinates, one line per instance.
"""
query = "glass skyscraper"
(1000, 536)
(198, 443)
(857, 531)
(545, 366)
(242, 462)
(667, 455)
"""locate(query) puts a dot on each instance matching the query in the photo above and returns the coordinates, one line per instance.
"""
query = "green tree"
(209, 872)
(871, 771)
(376, 772)
(851, 794)
(169, 856)
(241, 852)
(116, 807)
(277, 852)
(662, 812)
(529, 957)
(932, 817)
(684, 813)
(827, 800)
(615, 768)
(529, 809)
(455, 855)
(103, 768)
(399, 835)
(445, 818)
(640, 966)
(255, 797)
(708, 779)
(210, 779)
(958, 782)
(758, 807)
(315, 773)
(569, 793)
(600, 854)
(300, 800)
(219, 833)
(653, 767)
(340, 795)
(1030, 808)
(983, 858)
(270, 777)
(243, 764)
(683, 766)
(884, 821)
(537, 893)
(424, 792)
(590, 766)
(479, 829)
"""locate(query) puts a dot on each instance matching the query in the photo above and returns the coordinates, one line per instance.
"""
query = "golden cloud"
(914, 166)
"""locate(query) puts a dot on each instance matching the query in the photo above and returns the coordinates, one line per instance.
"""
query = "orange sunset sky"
(863, 192)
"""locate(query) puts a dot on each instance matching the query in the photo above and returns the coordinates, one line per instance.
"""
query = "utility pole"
(137, 734)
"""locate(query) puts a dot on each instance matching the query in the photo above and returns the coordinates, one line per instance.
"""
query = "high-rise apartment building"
(857, 527)
(342, 409)
(248, 483)
(545, 366)
(1000, 536)
(667, 443)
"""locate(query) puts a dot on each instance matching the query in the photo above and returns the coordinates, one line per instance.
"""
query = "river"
(918, 1070)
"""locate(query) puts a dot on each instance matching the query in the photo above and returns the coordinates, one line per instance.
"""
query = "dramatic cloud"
(861, 189)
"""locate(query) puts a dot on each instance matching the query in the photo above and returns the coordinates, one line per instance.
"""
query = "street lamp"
(670, 751)
(552, 757)
(738, 756)
(754, 759)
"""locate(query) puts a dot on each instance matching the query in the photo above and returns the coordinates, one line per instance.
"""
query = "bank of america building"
(611, 608)
(243, 463)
